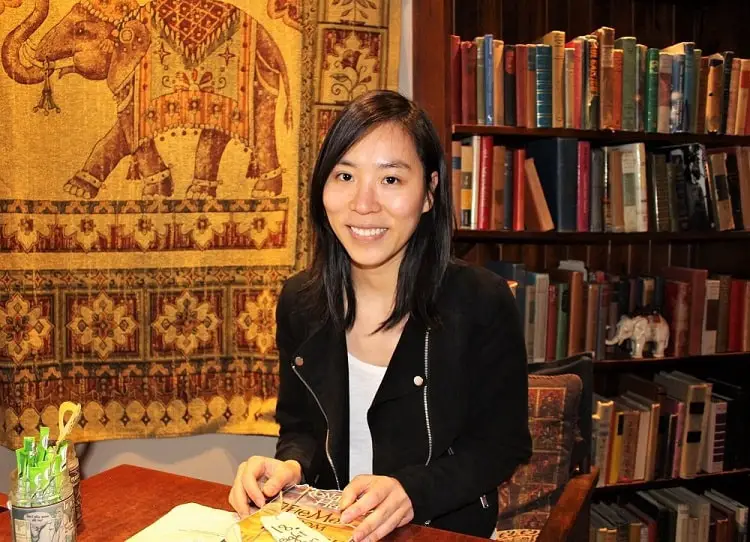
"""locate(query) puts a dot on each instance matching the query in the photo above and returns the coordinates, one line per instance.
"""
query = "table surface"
(122, 501)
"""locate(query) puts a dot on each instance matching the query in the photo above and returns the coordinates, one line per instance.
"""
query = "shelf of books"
(610, 178)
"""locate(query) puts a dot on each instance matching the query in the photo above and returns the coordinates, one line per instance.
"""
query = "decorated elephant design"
(202, 66)
(642, 330)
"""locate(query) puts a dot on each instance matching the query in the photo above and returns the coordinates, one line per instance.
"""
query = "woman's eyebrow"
(386, 164)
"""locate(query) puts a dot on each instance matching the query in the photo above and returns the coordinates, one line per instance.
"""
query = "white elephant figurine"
(641, 330)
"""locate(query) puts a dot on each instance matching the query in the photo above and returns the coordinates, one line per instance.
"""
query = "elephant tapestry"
(154, 163)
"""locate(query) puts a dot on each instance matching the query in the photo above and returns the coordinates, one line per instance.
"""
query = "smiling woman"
(396, 360)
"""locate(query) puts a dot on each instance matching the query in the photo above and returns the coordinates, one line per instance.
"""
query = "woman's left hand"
(390, 505)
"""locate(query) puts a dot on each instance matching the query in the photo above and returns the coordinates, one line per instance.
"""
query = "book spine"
(702, 95)
(455, 74)
(734, 95)
(652, 89)
(498, 107)
(466, 177)
(606, 77)
(726, 75)
(480, 80)
(593, 91)
(521, 70)
(584, 184)
(678, 93)
(509, 85)
(489, 80)
(689, 84)
(665, 92)
(508, 194)
(531, 93)
(484, 185)
(556, 40)
(695, 106)
(544, 98)
(456, 180)
(641, 57)
(629, 81)
(519, 157)
(571, 88)
(617, 89)
(714, 94)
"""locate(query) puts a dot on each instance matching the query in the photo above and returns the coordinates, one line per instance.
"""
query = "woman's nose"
(365, 199)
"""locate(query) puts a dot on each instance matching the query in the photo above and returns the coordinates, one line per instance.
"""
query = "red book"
(468, 82)
(696, 278)
(519, 184)
(522, 67)
(737, 293)
(617, 89)
(677, 313)
(584, 186)
(484, 183)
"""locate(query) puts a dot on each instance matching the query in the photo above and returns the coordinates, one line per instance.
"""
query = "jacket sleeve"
(496, 439)
(296, 437)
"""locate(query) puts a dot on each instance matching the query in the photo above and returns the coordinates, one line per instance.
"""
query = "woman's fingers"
(254, 469)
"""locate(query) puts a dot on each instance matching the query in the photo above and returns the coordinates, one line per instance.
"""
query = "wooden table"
(122, 501)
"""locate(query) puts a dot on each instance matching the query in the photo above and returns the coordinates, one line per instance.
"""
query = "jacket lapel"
(406, 372)
(325, 370)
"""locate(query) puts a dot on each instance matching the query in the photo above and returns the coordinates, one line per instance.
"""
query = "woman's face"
(375, 196)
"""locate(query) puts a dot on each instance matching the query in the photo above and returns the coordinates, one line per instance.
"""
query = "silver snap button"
(298, 361)
(418, 380)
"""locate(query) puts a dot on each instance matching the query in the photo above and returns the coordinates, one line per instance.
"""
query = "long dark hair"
(428, 251)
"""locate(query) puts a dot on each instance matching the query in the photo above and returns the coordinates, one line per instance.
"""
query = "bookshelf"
(714, 27)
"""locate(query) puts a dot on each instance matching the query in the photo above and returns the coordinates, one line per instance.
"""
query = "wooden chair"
(548, 499)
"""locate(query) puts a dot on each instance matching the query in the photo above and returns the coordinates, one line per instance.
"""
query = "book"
(317, 509)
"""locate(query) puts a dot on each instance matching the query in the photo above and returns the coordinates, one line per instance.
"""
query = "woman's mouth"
(367, 233)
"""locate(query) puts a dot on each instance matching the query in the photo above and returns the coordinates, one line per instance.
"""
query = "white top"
(364, 381)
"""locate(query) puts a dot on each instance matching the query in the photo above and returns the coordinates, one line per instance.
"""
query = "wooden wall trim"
(432, 25)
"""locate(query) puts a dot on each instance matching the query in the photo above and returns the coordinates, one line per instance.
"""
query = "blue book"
(543, 85)
(513, 271)
(489, 80)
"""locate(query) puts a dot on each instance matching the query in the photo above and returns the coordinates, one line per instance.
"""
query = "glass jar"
(47, 513)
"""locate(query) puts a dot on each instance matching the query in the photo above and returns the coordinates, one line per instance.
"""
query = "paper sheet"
(189, 522)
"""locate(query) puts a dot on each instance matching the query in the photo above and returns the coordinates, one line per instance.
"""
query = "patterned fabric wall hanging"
(154, 159)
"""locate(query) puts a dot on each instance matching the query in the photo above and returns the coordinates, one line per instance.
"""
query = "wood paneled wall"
(713, 26)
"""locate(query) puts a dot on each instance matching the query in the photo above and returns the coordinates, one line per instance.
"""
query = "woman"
(402, 372)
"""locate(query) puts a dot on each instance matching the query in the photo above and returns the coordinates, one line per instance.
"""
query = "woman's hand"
(390, 505)
(279, 474)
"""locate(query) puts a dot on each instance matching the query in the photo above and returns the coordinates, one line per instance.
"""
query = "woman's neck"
(378, 283)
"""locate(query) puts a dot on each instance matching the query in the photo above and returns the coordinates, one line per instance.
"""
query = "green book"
(629, 78)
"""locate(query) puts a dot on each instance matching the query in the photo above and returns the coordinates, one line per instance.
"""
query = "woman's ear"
(430, 196)
(131, 44)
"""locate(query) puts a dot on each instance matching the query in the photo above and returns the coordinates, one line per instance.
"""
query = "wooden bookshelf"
(609, 137)
(637, 485)
(714, 27)
(684, 362)
(588, 238)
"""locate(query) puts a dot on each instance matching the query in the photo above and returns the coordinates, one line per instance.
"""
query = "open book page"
(318, 509)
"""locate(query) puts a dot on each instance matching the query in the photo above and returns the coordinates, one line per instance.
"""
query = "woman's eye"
(344, 177)
(390, 180)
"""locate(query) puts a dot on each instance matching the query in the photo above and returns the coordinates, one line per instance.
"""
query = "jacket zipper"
(424, 400)
(424, 395)
(328, 427)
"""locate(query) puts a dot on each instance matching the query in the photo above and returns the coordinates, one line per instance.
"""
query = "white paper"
(189, 522)
(286, 527)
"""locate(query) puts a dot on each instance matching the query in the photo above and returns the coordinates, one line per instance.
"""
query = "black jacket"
(450, 419)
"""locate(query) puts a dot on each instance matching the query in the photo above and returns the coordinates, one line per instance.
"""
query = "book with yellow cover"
(316, 509)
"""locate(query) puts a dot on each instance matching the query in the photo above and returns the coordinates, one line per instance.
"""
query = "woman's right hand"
(279, 474)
